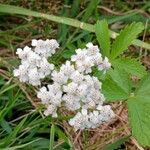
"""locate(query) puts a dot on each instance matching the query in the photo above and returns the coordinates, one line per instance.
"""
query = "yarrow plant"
(72, 85)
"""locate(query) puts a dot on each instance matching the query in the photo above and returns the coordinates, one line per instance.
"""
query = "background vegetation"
(22, 124)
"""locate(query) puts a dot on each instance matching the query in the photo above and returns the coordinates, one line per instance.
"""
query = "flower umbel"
(71, 86)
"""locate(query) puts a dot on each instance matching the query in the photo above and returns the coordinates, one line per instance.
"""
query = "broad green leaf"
(121, 78)
(116, 145)
(125, 38)
(52, 134)
(144, 88)
(116, 86)
(112, 91)
(103, 37)
(139, 112)
(139, 117)
(131, 66)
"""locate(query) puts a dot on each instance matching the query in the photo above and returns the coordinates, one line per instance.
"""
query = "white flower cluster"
(34, 65)
(72, 86)
(88, 57)
(93, 119)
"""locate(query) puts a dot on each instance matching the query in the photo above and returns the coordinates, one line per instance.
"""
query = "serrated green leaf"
(103, 37)
(139, 112)
(122, 79)
(139, 116)
(131, 66)
(125, 38)
(117, 85)
(144, 87)
(112, 91)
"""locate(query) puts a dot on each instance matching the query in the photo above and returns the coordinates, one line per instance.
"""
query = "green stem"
(68, 21)
(52, 134)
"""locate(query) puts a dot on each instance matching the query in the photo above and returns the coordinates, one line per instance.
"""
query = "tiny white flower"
(34, 78)
(67, 68)
(45, 68)
(70, 88)
(34, 42)
(51, 110)
(59, 77)
(84, 112)
(77, 77)
(105, 65)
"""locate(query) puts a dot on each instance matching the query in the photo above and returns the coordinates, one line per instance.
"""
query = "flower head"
(71, 85)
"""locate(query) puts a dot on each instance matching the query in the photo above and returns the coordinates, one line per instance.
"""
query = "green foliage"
(75, 7)
(8, 140)
(144, 87)
(5, 125)
(139, 110)
(7, 87)
(20, 146)
(23, 128)
(52, 134)
(70, 50)
(125, 38)
(9, 9)
(92, 5)
(116, 144)
(117, 85)
(131, 66)
(103, 37)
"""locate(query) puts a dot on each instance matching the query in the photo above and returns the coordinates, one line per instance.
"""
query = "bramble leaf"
(131, 66)
(139, 116)
(117, 85)
(103, 37)
(144, 87)
(125, 38)
(139, 113)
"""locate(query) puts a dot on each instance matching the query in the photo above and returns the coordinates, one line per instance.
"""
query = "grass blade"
(92, 6)
(52, 134)
(6, 88)
(20, 146)
(12, 137)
